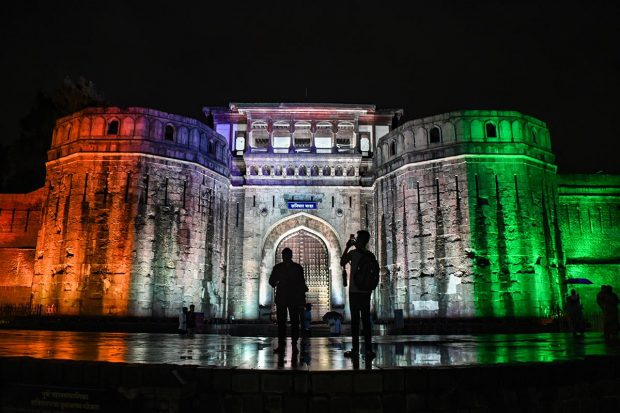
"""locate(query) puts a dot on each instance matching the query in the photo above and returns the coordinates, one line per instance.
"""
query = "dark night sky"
(557, 61)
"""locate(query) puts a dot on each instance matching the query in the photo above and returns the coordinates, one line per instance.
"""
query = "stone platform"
(87, 371)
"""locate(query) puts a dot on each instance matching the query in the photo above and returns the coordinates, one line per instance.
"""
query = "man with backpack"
(363, 278)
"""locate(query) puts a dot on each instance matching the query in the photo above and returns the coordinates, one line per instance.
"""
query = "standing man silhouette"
(359, 301)
(288, 279)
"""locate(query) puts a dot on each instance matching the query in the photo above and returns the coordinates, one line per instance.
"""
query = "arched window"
(490, 130)
(350, 171)
(338, 171)
(259, 135)
(113, 128)
(169, 133)
(68, 134)
(211, 148)
(392, 148)
(345, 135)
(253, 170)
(302, 171)
(281, 136)
(302, 137)
(435, 135)
(327, 171)
(266, 170)
(314, 171)
(323, 137)
(534, 135)
(278, 171)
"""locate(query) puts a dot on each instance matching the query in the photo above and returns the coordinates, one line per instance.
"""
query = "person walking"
(288, 280)
(608, 301)
(574, 312)
(359, 299)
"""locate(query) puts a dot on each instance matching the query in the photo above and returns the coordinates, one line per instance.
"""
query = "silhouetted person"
(335, 326)
(191, 320)
(608, 301)
(359, 301)
(288, 279)
(307, 319)
(183, 321)
(574, 312)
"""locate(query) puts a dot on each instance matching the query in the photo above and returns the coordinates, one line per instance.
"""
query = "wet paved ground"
(317, 353)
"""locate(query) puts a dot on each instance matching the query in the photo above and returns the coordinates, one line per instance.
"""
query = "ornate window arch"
(324, 136)
(435, 134)
(113, 127)
(302, 136)
(490, 130)
(169, 132)
(259, 135)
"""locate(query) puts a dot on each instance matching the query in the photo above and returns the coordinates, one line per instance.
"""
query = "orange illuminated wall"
(20, 219)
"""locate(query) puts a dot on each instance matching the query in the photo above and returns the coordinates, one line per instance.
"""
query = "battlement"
(139, 130)
(464, 132)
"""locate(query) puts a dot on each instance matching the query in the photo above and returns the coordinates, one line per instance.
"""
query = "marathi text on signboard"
(301, 205)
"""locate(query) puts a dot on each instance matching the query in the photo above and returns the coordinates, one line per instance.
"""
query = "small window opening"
(435, 135)
(392, 148)
(169, 133)
(113, 128)
(491, 130)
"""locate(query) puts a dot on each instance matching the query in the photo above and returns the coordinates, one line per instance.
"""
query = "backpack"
(366, 276)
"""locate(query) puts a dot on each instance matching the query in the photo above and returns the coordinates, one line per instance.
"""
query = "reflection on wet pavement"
(316, 353)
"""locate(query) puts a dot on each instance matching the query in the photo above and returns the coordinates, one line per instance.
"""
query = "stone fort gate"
(316, 246)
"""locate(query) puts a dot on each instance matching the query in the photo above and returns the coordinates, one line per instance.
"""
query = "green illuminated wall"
(589, 217)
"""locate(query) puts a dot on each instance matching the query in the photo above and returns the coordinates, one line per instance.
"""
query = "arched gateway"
(316, 245)
(310, 251)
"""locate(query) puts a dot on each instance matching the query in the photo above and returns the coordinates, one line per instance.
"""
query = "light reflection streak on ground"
(318, 353)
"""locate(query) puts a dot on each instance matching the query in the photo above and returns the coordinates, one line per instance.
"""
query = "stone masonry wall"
(20, 220)
(515, 240)
(424, 239)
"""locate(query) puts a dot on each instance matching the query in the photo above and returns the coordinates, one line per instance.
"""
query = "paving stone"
(368, 382)
(276, 382)
(132, 375)
(245, 382)
(393, 380)
(221, 379)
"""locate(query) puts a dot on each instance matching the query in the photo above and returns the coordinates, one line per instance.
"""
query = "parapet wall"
(464, 132)
(139, 130)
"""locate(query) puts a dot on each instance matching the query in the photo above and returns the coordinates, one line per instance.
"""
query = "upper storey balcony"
(306, 137)
(289, 128)
(139, 130)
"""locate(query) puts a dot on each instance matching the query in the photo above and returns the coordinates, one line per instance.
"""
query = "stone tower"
(134, 222)
(466, 217)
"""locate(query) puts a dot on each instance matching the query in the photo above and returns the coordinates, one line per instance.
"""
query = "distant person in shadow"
(307, 319)
(574, 311)
(191, 320)
(608, 301)
(288, 280)
(182, 329)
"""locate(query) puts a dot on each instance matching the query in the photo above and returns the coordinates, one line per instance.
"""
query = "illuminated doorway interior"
(310, 251)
